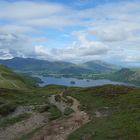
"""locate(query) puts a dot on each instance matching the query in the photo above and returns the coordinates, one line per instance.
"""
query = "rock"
(61, 128)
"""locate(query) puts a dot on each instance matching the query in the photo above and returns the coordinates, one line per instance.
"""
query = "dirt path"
(60, 105)
(16, 131)
(55, 130)
(60, 129)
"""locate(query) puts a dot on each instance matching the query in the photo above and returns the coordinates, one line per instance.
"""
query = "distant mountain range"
(92, 69)
(126, 75)
(58, 67)
(100, 66)
(123, 75)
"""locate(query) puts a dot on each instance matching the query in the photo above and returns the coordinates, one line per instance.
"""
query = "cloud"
(82, 48)
(27, 15)
(51, 21)
(9, 28)
(29, 9)
(5, 54)
(115, 30)
(15, 45)
(108, 31)
(131, 59)
(116, 22)
(24, 47)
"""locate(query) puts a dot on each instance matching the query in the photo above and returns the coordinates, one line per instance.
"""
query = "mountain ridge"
(31, 64)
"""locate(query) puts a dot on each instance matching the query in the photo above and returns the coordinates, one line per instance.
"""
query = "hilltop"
(100, 66)
(125, 75)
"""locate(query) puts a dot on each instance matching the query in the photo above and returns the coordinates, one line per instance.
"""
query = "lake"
(77, 82)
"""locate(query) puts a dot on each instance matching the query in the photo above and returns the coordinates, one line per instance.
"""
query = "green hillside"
(11, 80)
(100, 66)
(114, 112)
(75, 71)
(126, 75)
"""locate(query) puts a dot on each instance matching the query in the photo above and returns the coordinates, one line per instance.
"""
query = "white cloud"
(82, 48)
(15, 45)
(132, 59)
(24, 47)
(24, 15)
(110, 32)
(16, 29)
(52, 21)
(28, 9)
(5, 54)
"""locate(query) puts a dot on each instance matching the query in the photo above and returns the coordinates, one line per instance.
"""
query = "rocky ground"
(60, 129)
(53, 130)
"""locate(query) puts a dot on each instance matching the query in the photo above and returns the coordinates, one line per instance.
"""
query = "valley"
(78, 82)
(94, 70)
(69, 69)
(55, 112)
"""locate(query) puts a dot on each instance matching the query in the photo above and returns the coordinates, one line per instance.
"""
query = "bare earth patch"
(55, 130)
(17, 130)
(60, 129)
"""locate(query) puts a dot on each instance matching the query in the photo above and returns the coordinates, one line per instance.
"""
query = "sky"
(71, 30)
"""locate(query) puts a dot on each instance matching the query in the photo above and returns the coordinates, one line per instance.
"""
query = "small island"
(72, 82)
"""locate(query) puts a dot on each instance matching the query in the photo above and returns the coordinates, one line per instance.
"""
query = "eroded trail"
(54, 130)
(17, 130)
(60, 129)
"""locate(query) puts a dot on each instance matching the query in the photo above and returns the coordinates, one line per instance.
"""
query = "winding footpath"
(60, 129)
(55, 130)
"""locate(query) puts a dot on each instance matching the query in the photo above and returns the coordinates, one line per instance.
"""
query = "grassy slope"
(28, 97)
(122, 106)
(123, 75)
(10, 99)
(11, 80)
(18, 90)
(119, 102)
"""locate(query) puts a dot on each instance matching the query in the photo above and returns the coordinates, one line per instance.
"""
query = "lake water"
(78, 82)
